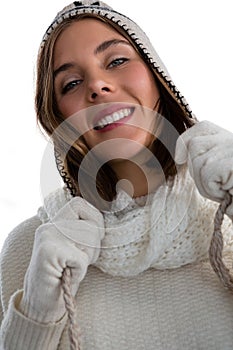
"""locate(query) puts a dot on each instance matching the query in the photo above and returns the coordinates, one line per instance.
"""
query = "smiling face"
(105, 83)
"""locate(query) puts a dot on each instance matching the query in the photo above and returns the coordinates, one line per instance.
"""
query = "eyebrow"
(62, 68)
(106, 44)
(101, 48)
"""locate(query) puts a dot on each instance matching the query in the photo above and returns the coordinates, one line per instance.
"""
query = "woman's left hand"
(208, 151)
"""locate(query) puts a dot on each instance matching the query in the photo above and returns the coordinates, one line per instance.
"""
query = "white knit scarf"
(166, 229)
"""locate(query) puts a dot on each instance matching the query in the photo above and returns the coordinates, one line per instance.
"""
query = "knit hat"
(137, 35)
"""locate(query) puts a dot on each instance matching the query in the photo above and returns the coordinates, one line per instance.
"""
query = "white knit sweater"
(151, 288)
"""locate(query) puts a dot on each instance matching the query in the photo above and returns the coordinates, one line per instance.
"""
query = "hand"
(71, 240)
(208, 151)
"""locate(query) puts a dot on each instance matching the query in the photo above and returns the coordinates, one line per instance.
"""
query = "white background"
(194, 39)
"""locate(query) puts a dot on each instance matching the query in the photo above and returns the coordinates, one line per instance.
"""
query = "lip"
(110, 110)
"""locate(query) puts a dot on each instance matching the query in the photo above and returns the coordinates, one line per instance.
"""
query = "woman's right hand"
(71, 240)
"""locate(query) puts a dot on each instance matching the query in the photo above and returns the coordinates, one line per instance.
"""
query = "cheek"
(68, 106)
(144, 85)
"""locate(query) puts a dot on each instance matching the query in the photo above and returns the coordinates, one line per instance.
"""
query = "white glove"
(208, 151)
(71, 240)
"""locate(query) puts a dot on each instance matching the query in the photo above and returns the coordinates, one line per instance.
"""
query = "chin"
(117, 149)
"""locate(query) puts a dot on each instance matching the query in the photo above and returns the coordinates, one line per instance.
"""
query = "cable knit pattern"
(156, 306)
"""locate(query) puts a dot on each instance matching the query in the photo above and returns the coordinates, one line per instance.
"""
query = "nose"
(100, 92)
(99, 87)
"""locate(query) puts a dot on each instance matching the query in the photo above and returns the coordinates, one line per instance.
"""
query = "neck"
(137, 180)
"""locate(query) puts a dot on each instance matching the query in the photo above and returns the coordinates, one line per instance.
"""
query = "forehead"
(87, 32)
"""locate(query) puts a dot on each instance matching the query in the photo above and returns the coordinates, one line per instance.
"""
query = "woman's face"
(102, 80)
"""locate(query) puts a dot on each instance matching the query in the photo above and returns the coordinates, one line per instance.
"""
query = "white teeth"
(115, 116)
(109, 119)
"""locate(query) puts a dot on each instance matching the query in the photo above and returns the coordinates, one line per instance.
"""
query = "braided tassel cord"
(216, 246)
(74, 332)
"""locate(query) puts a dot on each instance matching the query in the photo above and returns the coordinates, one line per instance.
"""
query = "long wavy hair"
(69, 154)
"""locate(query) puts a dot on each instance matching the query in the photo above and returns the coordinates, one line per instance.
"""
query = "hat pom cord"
(216, 246)
(70, 304)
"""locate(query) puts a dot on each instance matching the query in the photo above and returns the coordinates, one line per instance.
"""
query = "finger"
(214, 177)
(229, 210)
(193, 148)
(228, 178)
(79, 209)
(80, 232)
(181, 151)
(86, 211)
(203, 128)
(221, 172)
(187, 143)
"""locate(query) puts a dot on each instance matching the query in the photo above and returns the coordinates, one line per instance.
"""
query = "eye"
(69, 86)
(118, 62)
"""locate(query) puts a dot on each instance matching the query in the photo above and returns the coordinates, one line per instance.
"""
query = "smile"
(113, 118)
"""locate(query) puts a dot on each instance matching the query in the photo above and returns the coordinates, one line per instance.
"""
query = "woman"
(131, 224)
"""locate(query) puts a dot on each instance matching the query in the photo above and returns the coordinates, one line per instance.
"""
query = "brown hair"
(69, 155)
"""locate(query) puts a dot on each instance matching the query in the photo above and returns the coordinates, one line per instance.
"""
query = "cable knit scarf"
(166, 229)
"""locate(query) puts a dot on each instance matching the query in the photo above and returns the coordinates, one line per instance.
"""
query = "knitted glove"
(208, 151)
(71, 240)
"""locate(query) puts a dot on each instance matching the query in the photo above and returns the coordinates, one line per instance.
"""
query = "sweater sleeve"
(20, 333)
(17, 331)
